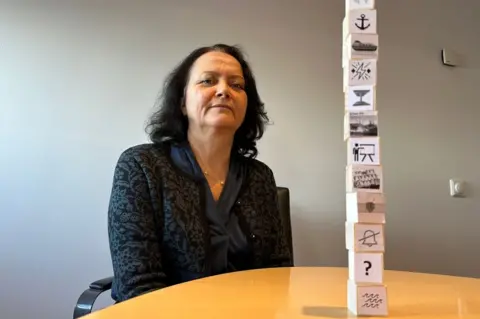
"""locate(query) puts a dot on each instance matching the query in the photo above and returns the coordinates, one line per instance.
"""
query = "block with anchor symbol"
(363, 237)
(365, 267)
(365, 207)
(367, 300)
(363, 21)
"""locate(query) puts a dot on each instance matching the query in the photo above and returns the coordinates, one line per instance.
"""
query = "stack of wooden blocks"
(365, 200)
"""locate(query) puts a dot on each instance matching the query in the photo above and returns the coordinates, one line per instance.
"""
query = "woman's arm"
(133, 231)
(281, 255)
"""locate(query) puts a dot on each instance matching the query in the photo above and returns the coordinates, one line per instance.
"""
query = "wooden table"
(300, 292)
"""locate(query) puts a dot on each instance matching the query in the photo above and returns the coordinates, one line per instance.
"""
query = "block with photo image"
(361, 46)
(364, 178)
(361, 124)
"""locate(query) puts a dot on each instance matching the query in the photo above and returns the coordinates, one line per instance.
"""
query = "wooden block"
(360, 21)
(361, 46)
(367, 300)
(360, 124)
(365, 207)
(364, 178)
(360, 72)
(362, 237)
(360, 98)
(363, 150)
(359, 4)
(358, 45)
(366, 268)
(344, 28)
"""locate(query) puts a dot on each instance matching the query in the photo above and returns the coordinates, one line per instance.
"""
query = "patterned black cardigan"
(157, 224)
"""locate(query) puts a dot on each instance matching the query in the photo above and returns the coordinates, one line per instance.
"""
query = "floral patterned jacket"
(157, 224)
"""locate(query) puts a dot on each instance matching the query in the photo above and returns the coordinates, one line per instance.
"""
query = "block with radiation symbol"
(366, 207)
(362, 237)
(359, 4)
(367, 300)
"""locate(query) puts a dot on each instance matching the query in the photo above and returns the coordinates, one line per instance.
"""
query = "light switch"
(457, 188)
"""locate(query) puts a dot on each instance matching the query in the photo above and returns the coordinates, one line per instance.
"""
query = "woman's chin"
(222, 121)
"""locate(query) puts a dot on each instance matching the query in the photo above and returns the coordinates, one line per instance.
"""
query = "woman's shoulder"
(259, 169)
(141, 153)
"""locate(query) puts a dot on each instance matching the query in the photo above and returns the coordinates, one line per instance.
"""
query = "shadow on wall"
(318, 238)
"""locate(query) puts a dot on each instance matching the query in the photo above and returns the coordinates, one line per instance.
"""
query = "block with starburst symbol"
(360, 72)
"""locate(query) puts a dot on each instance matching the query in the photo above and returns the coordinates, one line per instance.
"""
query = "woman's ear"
(183, 102)
(183, 107)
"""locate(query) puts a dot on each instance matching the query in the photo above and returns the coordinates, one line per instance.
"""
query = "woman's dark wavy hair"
(168, 123)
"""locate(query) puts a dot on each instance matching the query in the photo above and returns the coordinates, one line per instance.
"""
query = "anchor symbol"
(362, 26)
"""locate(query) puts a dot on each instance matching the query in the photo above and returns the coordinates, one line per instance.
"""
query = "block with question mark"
(364, 207)
(363, 237)
(367, 300)
(365, 267)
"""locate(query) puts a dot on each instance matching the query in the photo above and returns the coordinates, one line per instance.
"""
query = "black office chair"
(87, 299)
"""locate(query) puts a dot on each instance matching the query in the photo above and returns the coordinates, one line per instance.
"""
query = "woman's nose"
(222, 90)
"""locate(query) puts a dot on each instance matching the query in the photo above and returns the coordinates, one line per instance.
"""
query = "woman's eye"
(239, 86)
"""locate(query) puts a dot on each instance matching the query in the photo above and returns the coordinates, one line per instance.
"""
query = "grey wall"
(78, 80)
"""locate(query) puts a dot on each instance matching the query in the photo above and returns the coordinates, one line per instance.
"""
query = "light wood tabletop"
(300, 292)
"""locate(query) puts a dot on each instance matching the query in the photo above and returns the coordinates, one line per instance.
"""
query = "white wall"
(78, 80)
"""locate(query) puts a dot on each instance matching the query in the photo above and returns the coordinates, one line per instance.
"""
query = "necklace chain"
(221, 182)
(207, 174)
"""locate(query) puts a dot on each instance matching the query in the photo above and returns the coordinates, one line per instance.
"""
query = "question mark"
(368, 267)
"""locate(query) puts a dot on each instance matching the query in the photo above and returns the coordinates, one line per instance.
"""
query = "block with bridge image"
(360, 124)
(364, 178)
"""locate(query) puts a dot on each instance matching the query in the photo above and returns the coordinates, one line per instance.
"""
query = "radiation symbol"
(370, 207)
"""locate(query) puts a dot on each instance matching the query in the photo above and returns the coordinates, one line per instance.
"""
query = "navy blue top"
(229, 244)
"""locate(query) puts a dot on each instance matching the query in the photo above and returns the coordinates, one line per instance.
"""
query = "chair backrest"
(284, 204)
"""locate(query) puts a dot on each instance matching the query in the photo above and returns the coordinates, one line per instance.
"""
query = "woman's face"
(215, 95)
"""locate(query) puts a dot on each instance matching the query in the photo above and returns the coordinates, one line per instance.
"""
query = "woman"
(196, 202)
